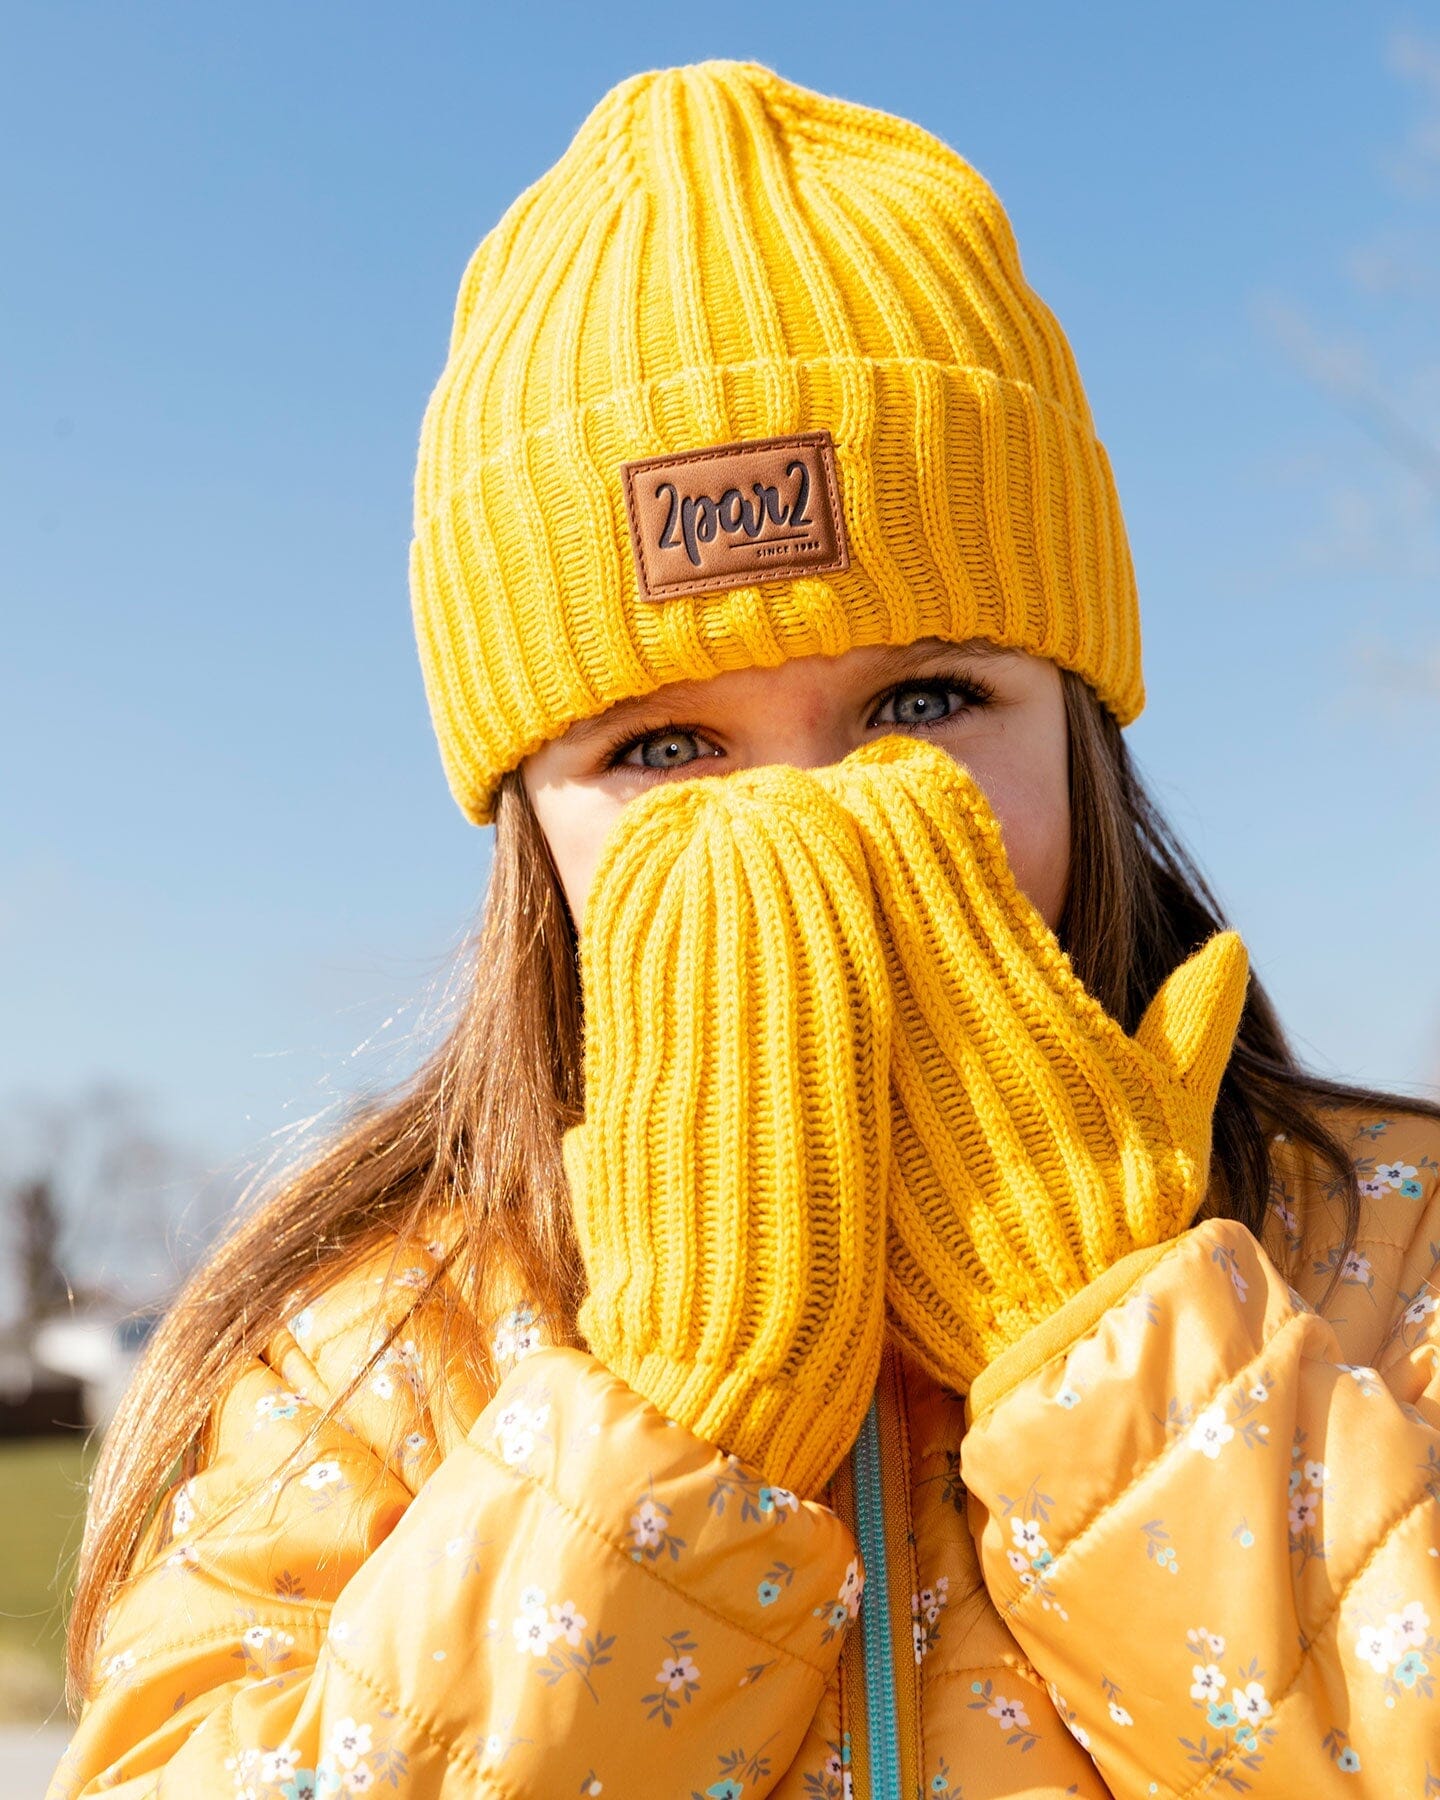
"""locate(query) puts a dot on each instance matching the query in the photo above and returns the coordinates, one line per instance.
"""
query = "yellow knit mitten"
(1033, 1142)
(728, 1179)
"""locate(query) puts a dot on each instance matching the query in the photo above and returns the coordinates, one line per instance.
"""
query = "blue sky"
(231, 876)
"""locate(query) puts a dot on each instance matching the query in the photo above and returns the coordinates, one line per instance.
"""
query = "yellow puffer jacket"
(1183, 1539)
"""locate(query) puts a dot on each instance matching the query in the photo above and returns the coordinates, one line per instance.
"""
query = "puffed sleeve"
(550, 1589)
(1217, 1539)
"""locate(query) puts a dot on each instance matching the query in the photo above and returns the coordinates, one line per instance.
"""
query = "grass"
(42, 1504)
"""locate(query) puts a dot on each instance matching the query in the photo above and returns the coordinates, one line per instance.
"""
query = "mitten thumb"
(1191, 1023)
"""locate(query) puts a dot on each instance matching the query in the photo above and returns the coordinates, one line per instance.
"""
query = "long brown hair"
(477, 1129)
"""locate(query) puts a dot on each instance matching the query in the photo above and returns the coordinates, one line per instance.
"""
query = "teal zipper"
(875, 1612)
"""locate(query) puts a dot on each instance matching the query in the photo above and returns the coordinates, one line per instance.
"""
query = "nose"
(805, 730)
(800, 750)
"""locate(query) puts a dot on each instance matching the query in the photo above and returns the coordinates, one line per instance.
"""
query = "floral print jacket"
(1183, 1539)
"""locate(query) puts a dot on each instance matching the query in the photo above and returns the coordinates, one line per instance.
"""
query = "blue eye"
(927, 702)
(660, 749)
(922, 703)
(664, 743)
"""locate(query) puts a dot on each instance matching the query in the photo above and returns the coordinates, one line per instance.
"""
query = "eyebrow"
(672, 695)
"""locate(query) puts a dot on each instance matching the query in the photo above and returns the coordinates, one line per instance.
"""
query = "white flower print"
(1068, 1397)
(1209, 1434)
(1010, 1715)
(183, 1510)
(677, 1678)
(533, 1631)
(926, 1608)
(647, 1525)
(1028, 1537)
(278, 1406)
(531, 1597)
(1392, 1174)
(518, 1447)
(517, 1429)
(1304, 1510)
(1411, 1626)
(1420, 1309)
(1018, 1561)
(1316, 1474)
(302, 1324)
(348, 1742)
(852, 1587)
(1355, 1267)
(263, 1646)
(514, 1417)
(242, 1768)
(569, 1622)
(320, 1475)
(1209, 1680)
(398, 1363)
(1250, 1702)
(1119, 1715)
(1368, 1380)
(1208, 1643)
(516, 1335)
(359, 1779)
(1376, 1645)
(677, 1672)
(277, 1766)
(120, 1664)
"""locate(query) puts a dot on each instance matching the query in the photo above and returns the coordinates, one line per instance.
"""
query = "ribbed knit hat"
(854, 423)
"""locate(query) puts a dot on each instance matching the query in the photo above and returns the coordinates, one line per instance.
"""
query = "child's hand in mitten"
(728, 1178)
(1033, 1142)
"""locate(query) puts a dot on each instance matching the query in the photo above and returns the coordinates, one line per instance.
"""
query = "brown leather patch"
(734, 515)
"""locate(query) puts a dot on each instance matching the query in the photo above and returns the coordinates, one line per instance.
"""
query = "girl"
(918, 1211)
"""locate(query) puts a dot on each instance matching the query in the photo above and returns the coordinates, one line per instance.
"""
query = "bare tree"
(100, 1203)
(36, 1218)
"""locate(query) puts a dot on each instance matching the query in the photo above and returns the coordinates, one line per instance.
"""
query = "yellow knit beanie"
(749, 374)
